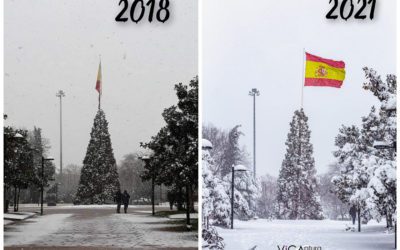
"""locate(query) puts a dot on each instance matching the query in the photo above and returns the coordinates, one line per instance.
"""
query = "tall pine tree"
(297, 196)
(99, 177)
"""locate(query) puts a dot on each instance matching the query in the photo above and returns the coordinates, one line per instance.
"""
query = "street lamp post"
(146, 159)
(254, 92)
(42, 186)
(60, 94)
(239, 168)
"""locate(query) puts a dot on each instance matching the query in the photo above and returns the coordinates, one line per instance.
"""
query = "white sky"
(52, 45)
(259, 44)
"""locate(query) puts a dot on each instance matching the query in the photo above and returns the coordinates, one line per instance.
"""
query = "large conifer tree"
(297, 185)
(99, 177)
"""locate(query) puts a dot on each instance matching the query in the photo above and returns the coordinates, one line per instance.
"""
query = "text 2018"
(347, 9)
(138, 10)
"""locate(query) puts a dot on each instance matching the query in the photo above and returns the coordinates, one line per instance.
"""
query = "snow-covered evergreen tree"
(382, 184)
(99, 177)
(351, 184)
(297, 185)
(368, 175)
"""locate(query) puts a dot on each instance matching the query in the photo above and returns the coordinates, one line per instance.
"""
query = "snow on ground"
(183, 216)
(33, 229)
(69, 205)
(100, 228)
(18, 216)
(159, 232)
(330, 235)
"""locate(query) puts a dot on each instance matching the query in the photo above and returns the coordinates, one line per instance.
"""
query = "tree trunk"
(389, 219)
(187, 205)
(359, 218)
(179, 203)
(15, 198)
(191, 199)
(19, 191)
(5, 197)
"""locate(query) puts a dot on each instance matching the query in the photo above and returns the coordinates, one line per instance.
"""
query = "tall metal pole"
(254, 134)
(60, 94)
(152, 190)
(233, 196)
(42, 188)
(254, 92)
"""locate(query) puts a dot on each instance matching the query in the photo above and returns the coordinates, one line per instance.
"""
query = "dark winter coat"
(353, 211)
(118, 197)
(125, 198)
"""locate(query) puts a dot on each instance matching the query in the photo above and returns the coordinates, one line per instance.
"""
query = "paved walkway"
(98, 228)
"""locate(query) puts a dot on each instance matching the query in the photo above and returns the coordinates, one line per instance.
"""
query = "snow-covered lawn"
(18, 216)
(35, 229)
(329, 235)
(183, 216)
(159, 233)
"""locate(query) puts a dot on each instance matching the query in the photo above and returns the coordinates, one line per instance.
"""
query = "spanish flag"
(98, 81)
(324, 72)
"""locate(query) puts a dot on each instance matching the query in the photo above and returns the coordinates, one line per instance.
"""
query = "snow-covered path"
(329, 235)
(98, 228)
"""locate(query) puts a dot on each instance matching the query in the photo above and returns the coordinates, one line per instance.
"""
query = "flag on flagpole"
(324, 72)
(98, 81)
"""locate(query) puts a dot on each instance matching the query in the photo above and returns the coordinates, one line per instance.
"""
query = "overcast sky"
(52, 45)
(259, 44)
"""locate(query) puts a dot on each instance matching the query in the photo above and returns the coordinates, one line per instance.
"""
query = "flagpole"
(302, 79)
(100, 86)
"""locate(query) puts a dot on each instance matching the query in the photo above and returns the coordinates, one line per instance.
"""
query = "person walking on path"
(125, 200)
(353, 212)
(118, 200)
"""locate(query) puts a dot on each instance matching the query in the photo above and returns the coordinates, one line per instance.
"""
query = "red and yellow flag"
(98, 82)
(324, 72)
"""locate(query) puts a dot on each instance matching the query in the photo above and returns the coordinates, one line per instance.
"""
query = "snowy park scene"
(298, 129)
(100, 128)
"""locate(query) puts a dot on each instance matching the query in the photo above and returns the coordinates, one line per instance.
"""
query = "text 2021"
(346, 9)
(138, 10)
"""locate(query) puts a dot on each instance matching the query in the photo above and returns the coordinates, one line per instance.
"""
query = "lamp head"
(254, 92)
(48, 158)
(240, 168)
(145, 158)
(18, 136)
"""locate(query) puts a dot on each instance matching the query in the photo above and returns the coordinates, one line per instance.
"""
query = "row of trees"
(130, 171)
(174, 161)
(332, 207)
(366, 173)
(217, 183)
(217, 169)
(23, 151)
